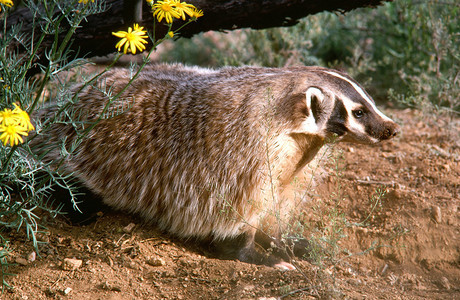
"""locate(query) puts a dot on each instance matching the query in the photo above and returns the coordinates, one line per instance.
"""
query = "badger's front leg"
(287, 248)
(243, 248)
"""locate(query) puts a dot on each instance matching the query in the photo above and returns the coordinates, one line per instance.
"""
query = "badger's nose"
(391, 130)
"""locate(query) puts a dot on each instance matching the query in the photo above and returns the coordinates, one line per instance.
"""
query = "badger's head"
(338, 105)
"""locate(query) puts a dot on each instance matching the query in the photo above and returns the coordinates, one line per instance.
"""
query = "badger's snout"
(391, 129)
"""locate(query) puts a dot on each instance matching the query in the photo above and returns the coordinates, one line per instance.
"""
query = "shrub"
(26, 182)
(408, 50)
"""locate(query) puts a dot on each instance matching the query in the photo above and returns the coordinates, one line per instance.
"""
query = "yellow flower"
(197, 13)
(12, 134)
(7, 116)
(165, 9)
(132, 40)
(171, 34)
(22, 118)
(82, 1)
(183, 8)
(7, 3)
(13, 124)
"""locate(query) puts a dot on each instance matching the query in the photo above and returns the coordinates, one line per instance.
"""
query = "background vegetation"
(406, 51)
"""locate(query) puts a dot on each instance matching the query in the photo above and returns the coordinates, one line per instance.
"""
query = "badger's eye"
(358, 113)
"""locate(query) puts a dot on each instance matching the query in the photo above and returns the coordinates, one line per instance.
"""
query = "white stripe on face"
(354, 126)
(362, 94)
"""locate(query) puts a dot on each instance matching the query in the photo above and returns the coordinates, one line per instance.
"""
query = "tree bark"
(94, 37)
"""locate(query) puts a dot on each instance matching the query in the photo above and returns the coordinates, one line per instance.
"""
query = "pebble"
(129, 228)
(67, 290)
(155, 262)
(110, 287)
(355, 281)
(70, 264)
(445, 283)
(110, 261)
(31, 257)
(132, 265)
(384, 269)
(394, 194)
(21, 261)
(436, 213)
(440, 151)
(348, 272)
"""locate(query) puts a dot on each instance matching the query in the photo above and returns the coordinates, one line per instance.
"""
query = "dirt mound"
(411, 241)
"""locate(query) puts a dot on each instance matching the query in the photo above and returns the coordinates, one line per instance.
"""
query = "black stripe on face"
(346, 88)
(349, 91)
(338, 119)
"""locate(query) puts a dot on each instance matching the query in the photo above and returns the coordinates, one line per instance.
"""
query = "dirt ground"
(416, 224)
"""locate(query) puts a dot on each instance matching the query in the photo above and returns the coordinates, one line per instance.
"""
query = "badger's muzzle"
(388, 131)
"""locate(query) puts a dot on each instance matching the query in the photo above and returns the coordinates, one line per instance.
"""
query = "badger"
(207, 153)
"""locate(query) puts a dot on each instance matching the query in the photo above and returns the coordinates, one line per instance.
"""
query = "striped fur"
(201, 151)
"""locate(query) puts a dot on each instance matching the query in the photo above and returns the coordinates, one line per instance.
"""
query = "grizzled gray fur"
(208, 153)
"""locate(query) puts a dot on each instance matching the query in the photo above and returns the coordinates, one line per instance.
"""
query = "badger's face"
(341, 107)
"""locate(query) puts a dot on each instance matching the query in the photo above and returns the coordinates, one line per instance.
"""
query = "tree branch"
(94, 37)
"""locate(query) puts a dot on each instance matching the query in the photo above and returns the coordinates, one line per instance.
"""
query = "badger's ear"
(314, 99)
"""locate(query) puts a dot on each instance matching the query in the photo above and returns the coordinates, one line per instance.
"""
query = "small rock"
(440, 151)
(408, 278)
(249, 288)
(436, 213)
(445, 283)
(363, 230)
(129, 228)
(420, 286)
(446, 167)
(394, 194)
(355, 281)
(427, 264)
(31, 257)
(328, 271)
(70, 264)
(21, 261)
(67, 291)
(349, 272)
(155, 262)
(132, 265)
(110, 261)
(110, 287)
(364, 270)
(384, 269)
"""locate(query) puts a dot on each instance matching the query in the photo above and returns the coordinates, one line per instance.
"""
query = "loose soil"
(410, 242)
